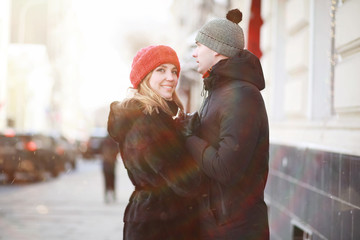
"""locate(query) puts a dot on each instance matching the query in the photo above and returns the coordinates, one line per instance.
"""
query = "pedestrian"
(109, 152)
(231, 146)
(165, 177)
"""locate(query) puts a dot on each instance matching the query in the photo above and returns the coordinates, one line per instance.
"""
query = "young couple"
(198, 176)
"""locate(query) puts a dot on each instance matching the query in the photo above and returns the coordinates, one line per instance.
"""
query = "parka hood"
(243, 67)
(121, 118)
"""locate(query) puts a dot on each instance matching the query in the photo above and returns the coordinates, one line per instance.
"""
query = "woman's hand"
(188, 124)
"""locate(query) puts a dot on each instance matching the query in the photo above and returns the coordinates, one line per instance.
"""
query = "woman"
(153, 152)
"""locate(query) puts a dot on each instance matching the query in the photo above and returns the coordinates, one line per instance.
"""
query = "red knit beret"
(147, 59)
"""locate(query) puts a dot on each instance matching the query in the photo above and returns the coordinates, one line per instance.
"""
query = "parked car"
(38, 154)
(30, 156)
(93, 144)
(93, 147)
(66, 151)
(8, 155)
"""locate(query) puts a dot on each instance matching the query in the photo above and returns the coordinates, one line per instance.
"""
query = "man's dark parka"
(232, 145)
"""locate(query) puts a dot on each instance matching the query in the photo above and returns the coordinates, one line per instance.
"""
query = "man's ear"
(216, 54)
(219, 56)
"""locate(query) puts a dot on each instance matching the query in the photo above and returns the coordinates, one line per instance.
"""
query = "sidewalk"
(70, 207)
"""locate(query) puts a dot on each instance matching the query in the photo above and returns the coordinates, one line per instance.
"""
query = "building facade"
(4, 42)
(310, 57)
(39, 74)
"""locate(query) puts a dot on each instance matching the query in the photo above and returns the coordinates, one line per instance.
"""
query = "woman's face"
(164, 80)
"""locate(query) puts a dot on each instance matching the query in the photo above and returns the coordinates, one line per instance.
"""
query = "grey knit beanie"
(223, 35)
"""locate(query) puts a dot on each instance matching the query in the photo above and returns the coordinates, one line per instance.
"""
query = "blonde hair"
(149, 100)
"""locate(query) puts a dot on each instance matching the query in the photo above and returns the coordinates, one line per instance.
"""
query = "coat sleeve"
(239, 122)
(166, 155)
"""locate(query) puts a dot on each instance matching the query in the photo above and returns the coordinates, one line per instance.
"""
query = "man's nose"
(194, 53)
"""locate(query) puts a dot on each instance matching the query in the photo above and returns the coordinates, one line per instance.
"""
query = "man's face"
(205, 57)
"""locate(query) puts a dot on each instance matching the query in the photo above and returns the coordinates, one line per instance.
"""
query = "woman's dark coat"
(158, 165)
(232, 144)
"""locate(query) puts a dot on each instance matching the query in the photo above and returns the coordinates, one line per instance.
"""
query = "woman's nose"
(169, 75)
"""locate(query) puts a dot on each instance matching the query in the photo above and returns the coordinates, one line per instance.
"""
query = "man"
(231, 145)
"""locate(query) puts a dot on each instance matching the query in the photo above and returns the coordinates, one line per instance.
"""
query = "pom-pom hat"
(223, 35)
(148, 58)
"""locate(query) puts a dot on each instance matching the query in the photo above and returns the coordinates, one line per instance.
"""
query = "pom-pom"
(234, 15)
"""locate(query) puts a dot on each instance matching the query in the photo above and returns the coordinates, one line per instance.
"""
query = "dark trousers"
(109, 176)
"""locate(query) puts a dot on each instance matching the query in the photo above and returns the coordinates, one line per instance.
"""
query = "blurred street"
(63, 62)
(69, 207)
